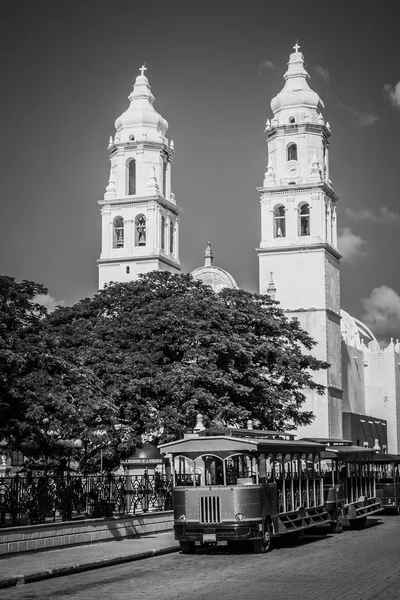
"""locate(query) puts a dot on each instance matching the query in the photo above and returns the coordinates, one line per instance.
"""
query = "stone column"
(152, 234)
(128, 238)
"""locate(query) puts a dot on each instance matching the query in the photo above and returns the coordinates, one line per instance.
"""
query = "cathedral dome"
(357, 334)
(141, 121)
(296, 95)
(215, 277)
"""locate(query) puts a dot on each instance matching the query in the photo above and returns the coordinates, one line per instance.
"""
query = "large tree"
(45, 395)
(166, 347)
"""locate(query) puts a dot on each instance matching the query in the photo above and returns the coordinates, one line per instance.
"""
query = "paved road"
(357, 565)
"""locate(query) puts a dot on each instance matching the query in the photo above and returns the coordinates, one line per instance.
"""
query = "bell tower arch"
(299, 233)
(140, 217)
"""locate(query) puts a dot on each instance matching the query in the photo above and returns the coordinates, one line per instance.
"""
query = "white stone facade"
(140, 218)
(299, 247)
(371, 378)
(299, 262)
(299, 234)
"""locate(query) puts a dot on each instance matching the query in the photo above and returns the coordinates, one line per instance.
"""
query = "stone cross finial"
(142, 70)
(296, 47)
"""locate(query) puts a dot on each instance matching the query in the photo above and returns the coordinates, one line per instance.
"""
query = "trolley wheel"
(337, 525)
(358, 523)
(265, 544)
(187, 547)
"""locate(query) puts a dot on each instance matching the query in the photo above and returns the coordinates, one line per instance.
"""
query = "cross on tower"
(296, 47)
(142, 69)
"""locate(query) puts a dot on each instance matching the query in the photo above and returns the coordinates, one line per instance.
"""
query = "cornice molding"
(299, 188)
(148, 258)
(132, 201)
(336, 315)
(309, 127)
(303, 248)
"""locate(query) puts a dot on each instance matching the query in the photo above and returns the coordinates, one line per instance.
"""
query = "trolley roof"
(386, 458)
(226, 445)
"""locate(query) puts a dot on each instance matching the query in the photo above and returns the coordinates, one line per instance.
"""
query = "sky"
(67, 68)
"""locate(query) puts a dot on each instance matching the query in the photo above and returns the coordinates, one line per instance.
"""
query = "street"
(356, 565)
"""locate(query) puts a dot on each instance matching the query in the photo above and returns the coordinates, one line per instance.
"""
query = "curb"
(18, 580)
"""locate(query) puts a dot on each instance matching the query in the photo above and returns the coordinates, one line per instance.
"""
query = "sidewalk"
(25, 568)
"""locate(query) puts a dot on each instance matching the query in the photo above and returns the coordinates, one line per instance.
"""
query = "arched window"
(132, 178)
(171, 237)
(162, 233)
(304, 219)
(164, 179)
(140, 230)
(118, 234)
(279, 222)
(292, 120)
(292, 152)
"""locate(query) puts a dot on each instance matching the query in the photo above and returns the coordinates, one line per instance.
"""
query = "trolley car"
(234, 485)
(350, 488)
(387, 473)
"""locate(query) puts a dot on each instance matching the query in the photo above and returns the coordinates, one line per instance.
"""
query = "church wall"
(116, 272)
(333, 349)
(294, 276)
(353, 379)
(383, 391)
(332, 282)
(396, 400)
(324, 328)
(319, 406)
(314, 322)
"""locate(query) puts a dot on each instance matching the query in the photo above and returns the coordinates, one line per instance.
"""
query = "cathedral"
(140, 233)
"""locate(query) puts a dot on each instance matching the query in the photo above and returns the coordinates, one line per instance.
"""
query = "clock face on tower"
(292, 168)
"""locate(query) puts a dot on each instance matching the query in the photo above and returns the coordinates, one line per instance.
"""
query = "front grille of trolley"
(210, 509)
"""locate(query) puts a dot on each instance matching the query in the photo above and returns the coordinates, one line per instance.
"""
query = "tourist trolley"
(234, 485)
(350, 489)
(387, 474)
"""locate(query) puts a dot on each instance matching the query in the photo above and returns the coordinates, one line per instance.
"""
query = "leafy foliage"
(166, 347)
(139, 360)
(39, 386)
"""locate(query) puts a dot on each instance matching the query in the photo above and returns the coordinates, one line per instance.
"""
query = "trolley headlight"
(239, 517)
(182, 518)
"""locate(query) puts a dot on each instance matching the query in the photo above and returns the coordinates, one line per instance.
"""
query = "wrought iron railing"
(26, 500)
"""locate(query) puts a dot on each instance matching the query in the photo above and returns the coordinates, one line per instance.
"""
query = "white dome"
(141, 121)
(296, 96)
(357, 334)
(215, 277)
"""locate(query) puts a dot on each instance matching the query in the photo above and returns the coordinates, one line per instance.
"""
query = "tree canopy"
(38, 384)
(143, 358)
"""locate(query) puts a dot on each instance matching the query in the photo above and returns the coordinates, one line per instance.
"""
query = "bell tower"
(140, 218)
(299, 233)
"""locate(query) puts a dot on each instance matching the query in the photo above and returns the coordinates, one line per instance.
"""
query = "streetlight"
(70, 444)
(100, 432)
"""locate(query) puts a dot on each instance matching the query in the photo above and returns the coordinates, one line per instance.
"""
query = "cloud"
(49, 302)
(382, 312)
(326, 76)
(393, 93)
(266, 64)
(384, 216)
(361, 118)
(350, 245)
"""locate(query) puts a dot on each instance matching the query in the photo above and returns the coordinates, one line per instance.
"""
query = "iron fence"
(26, 500)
